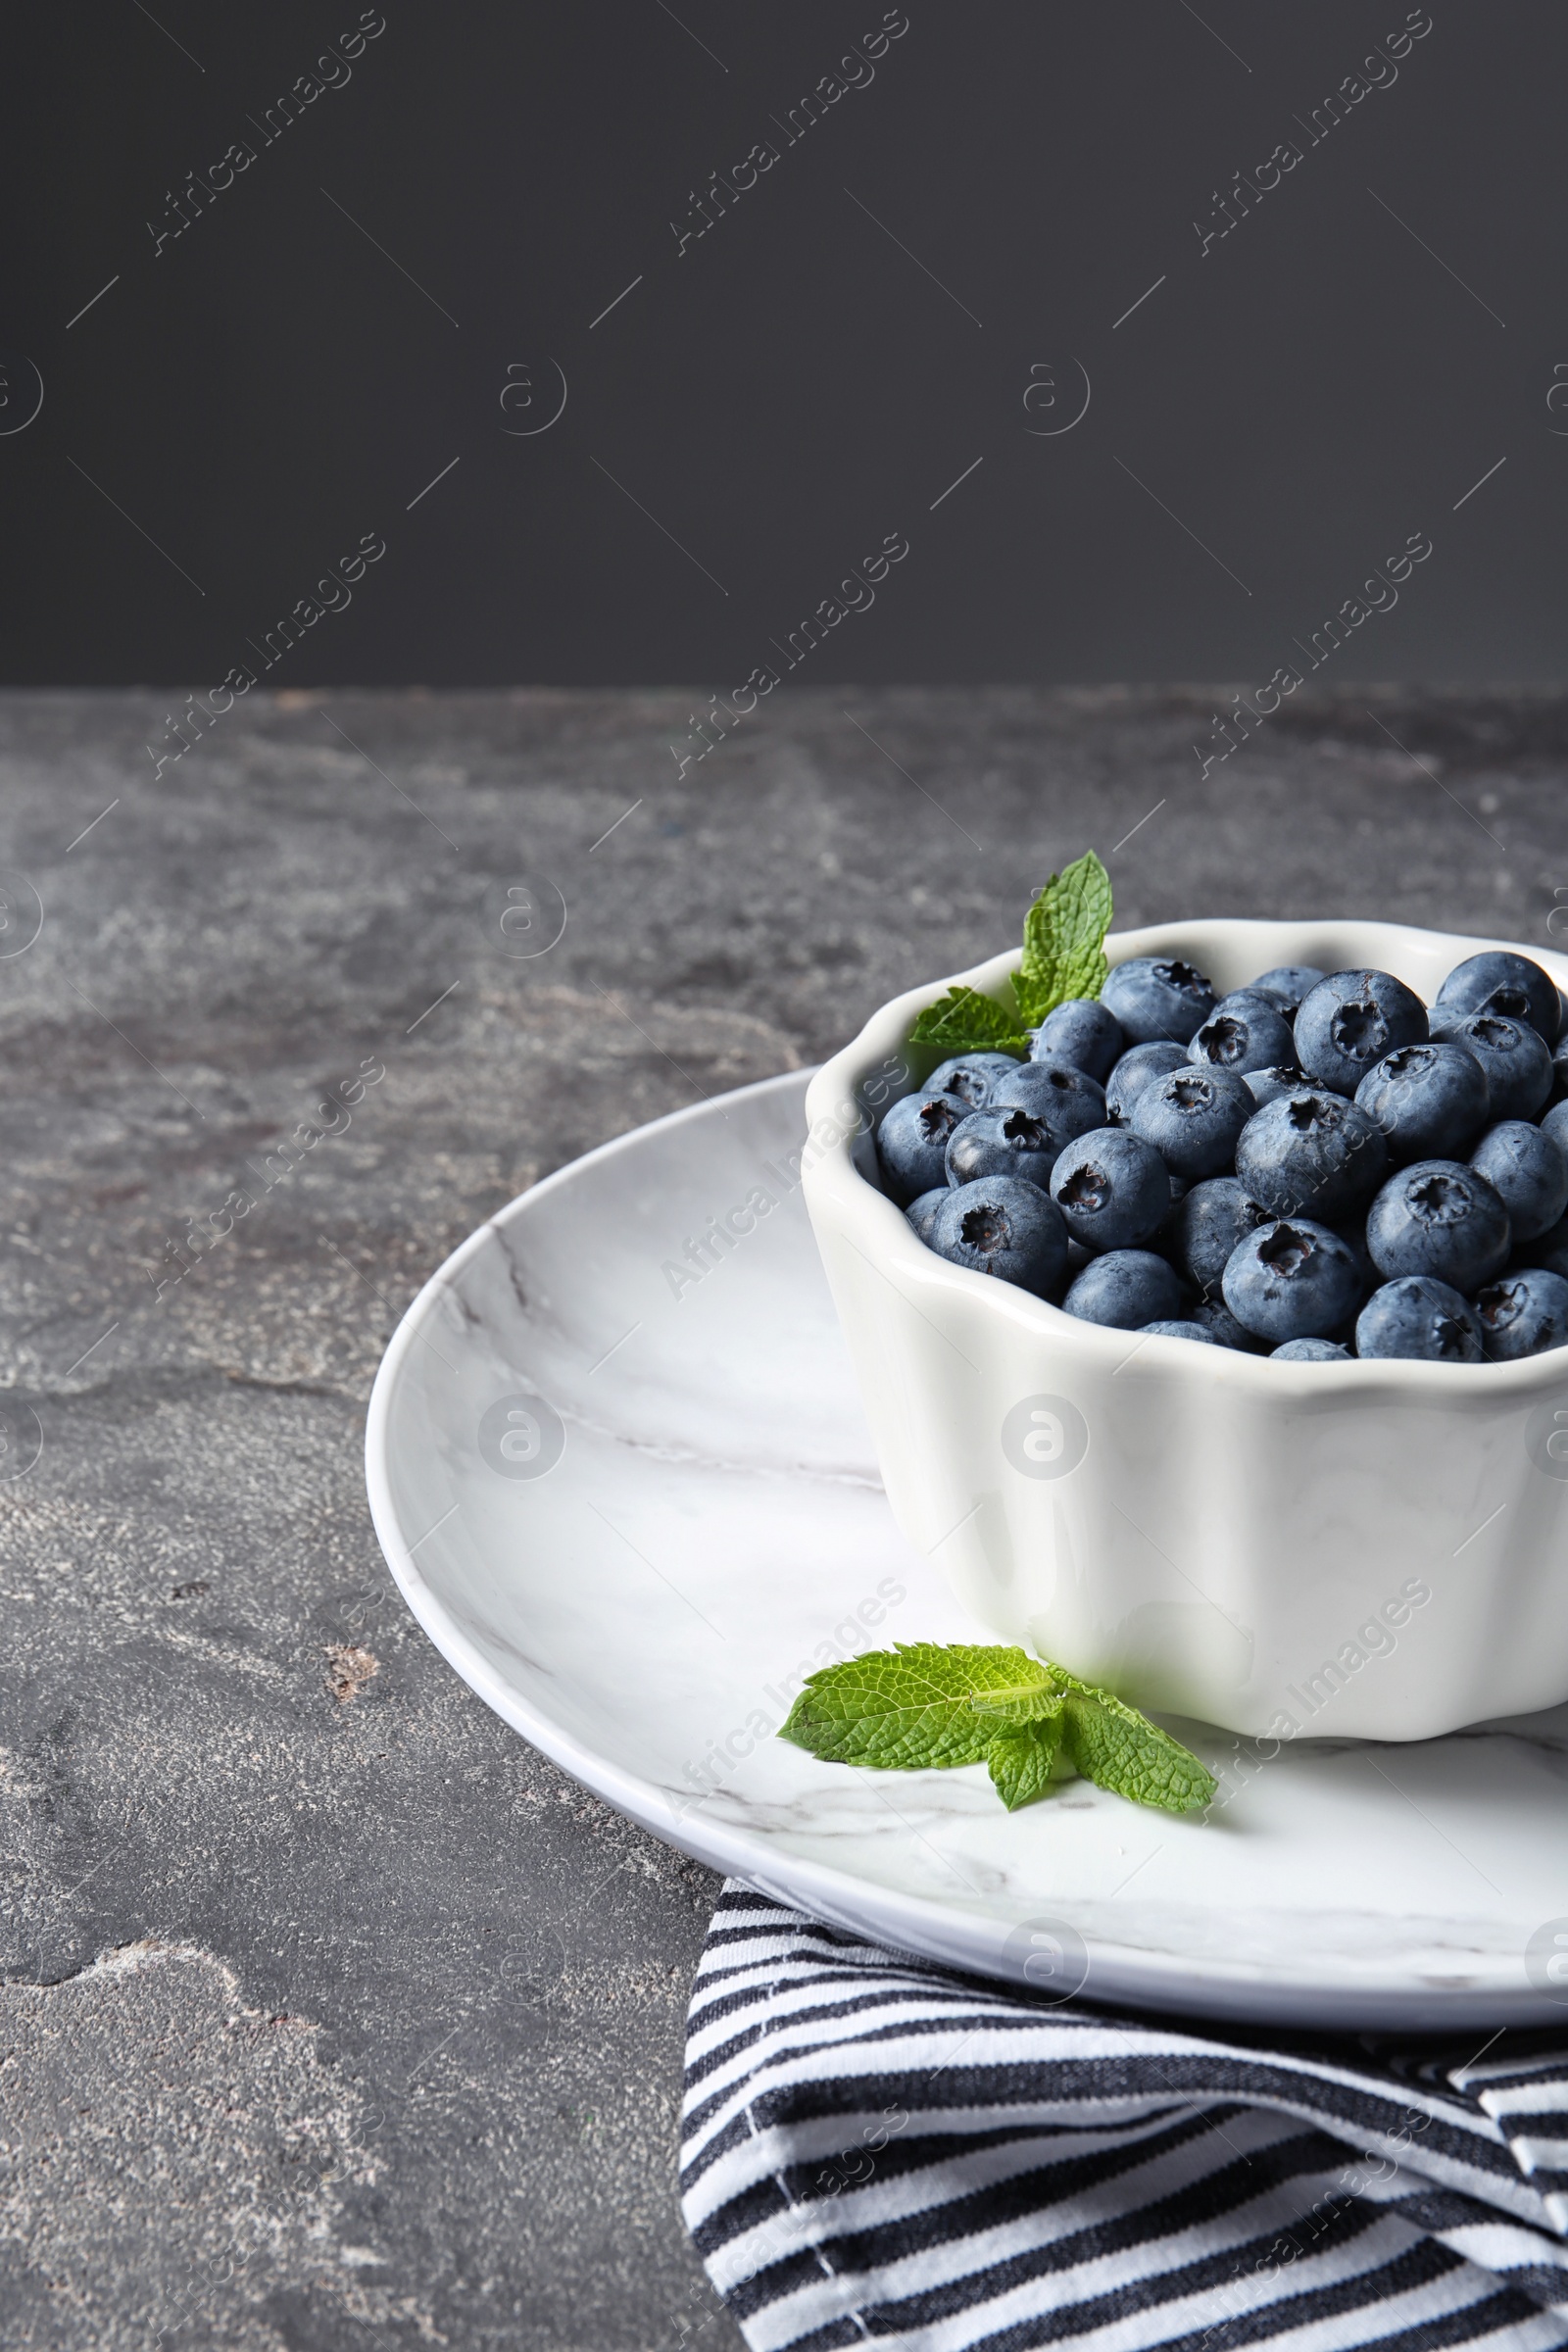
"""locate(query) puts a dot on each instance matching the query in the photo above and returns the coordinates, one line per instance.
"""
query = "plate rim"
(1120, 1975)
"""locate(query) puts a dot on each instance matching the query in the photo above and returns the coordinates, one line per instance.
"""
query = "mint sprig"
(964, 1021)
(1025, 1759)
(1063, 940)
(924, 1704)
(1064, 956)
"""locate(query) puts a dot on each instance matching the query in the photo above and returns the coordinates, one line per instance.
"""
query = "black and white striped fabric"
(877, 2150)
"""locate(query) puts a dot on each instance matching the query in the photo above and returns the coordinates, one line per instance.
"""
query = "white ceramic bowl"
(1377, 1551)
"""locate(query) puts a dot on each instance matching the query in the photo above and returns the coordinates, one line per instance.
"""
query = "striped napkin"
(879, 2150)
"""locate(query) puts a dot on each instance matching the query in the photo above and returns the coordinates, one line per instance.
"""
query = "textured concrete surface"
(334, 2014)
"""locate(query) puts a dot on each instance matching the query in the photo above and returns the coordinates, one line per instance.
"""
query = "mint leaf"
(925, 1705)
(1027, 1757)
(964, 1021)
(1063, 940)
(1116, 1748)
(1064, 956)
(917, 1704)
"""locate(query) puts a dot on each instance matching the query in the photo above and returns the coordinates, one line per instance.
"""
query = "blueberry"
(1292, 1280)
(1005, 1226)
(1206, 1225)
(1156, 997)
(1554, 1123)
(1283, 1079)
(1311, 1352)
(1242, 1037)
(1523, 1315)
(1193, 1118)
(1311, 1153)
(1495, 981)
(1439, 1218)
(1354, 1239)
(1559, 1071)
(1247, 1000)
(1288, 984)
(922, 1212)
(970, 1076)
(1126, 1287)
(1002, 1142)
(1112, 1189)
(1216, 1319)
(910, 1144)
(1350, 1021)
(1516, 1058)
(1138, 1068)
(1551, 1250)
(1527, 1168)
(1429, 1101)
(1066, 1101)
(1084, 1032)
(1419, 1316)
(1178, 1330)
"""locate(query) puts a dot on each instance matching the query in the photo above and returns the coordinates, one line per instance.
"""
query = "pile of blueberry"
(1312, 1167)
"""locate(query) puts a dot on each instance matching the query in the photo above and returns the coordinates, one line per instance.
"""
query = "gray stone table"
(260, 2081)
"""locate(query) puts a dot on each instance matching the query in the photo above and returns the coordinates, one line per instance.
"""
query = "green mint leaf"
(1117, 1748)
(1063, 940)
(926, 1704)
(966, 1023)
(918, 1704)
(1027, 1757)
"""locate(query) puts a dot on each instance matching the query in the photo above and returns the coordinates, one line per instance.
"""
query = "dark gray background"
(272, 383)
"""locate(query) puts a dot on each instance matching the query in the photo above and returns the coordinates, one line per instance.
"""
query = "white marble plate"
(631, 1519)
